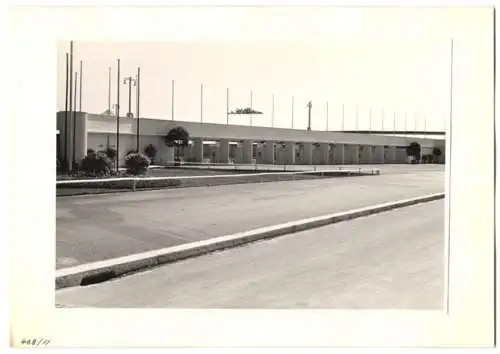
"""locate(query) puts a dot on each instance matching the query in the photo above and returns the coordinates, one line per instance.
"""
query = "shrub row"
(100, 164)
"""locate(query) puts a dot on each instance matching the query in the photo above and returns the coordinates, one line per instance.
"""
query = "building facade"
(227, 143)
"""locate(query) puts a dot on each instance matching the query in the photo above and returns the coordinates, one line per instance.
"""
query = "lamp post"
(138, 92)
(309, 108)
(118, 115)
(129, 81)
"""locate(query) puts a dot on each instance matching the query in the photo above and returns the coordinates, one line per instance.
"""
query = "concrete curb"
(105, 270)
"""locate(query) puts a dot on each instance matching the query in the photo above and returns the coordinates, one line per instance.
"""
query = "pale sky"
(388, 60)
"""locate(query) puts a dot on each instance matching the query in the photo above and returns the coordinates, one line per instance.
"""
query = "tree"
(245, 111)
(414, 150)
(150, 151)
(177, 137)
(436, 152)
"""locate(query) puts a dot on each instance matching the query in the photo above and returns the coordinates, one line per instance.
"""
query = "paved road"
(392, 260)
(93, 228)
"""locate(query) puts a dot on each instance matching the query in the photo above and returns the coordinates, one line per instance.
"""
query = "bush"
(96, 164)
(137, 163)
(132, 151)
(150, 151)
(111, 153)
(90, 151)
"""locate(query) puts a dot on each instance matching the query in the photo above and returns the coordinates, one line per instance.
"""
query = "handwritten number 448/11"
(35, 342)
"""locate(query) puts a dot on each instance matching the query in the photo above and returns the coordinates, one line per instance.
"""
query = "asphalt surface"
(93, 228)
(392, 260)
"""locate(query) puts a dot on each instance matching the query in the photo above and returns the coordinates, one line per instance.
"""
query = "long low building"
(243, 144)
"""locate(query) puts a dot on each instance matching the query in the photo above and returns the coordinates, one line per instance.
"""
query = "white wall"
(160, 127)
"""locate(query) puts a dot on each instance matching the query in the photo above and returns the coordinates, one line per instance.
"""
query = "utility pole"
(129, 80)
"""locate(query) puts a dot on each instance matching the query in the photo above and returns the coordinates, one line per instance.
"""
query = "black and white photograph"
(301, 158)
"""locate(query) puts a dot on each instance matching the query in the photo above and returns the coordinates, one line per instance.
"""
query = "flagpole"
(138, 83)
(74, 119)
(109, 90)
(406, 122)
(415, 118)
(293, 101)
(342, 117)
(251, 107)
(357, 118)
(201, 103)
(227, 106)
(326, 115)
(70, 164)
(173, 98)
(370, 117)
(272, 114)
(65, 155)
